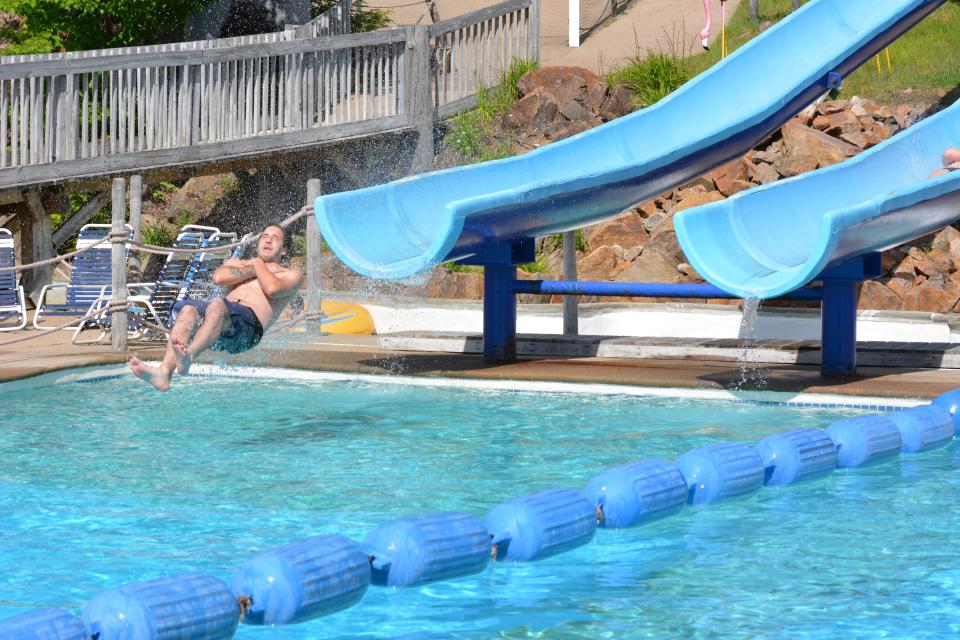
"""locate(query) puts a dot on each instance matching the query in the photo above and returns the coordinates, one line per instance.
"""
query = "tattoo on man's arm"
(242, 272)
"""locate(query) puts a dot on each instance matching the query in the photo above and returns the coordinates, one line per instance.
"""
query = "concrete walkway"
(683, 367)
(671, 25)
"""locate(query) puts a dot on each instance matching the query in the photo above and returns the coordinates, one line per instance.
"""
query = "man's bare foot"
(156, 376)
(184, 359)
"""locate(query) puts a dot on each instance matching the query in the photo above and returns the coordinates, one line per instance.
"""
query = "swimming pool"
(107, 483)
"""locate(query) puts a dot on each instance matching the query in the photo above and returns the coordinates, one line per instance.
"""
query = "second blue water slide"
(771, 240)
(404, 227)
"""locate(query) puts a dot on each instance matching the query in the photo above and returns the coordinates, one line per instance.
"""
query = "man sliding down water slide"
(259, 289)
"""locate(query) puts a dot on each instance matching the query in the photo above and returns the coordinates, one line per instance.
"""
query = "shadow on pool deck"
(362, 354)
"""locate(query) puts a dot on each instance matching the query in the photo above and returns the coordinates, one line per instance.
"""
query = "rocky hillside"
(641, 245)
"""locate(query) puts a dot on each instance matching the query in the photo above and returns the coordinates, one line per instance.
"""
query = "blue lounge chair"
(90, 278)
(12, 302)
(177, 278)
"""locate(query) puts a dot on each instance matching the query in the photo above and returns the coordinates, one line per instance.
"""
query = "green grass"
(650, 78)
(159, 234)
(926, 59)
(456, 267)
(472, 133)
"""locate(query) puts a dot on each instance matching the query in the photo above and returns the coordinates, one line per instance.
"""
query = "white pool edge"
(97, 373)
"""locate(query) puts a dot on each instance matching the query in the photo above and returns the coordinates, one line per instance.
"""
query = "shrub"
(650, 78)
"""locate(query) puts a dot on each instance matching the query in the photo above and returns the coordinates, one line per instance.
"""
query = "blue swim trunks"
(245, 329)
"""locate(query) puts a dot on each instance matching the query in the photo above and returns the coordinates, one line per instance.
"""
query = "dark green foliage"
(362, 18)
(73, 25)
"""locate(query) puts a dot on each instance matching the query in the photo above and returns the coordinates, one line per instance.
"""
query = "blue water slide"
(770, 240)
(404, 227)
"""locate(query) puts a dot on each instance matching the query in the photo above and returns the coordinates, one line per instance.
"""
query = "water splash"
(752, 372)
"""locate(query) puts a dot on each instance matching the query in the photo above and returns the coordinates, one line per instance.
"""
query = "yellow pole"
(889, 66)
(878, 63)
(723, 29)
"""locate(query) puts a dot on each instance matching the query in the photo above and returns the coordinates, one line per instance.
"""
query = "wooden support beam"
(419, 95)
(135, 268)
(11, 196)
(77, 220)
(37, 239)
(314, 245)
(118, 319)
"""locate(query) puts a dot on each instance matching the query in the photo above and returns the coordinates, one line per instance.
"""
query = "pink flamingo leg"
(705, 34)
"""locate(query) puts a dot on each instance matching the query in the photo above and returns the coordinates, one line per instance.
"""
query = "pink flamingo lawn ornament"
(705, 34)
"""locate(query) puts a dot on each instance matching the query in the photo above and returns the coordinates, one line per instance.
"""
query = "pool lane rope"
(321, 575)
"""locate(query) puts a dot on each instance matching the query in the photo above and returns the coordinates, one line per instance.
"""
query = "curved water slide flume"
(771, 240)
(405, 227)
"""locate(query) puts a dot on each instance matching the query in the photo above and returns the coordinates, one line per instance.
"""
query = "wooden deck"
(105, 113)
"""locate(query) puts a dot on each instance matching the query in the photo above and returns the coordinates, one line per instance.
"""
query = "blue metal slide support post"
(838, 313)
(499, 313)
(499, 263)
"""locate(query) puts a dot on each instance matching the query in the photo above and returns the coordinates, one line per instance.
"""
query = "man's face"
(270, 245)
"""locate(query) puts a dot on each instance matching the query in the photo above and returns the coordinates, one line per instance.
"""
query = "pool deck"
(689, 365)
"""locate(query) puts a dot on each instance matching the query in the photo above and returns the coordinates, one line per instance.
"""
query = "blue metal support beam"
(838, 296)
(838, 313)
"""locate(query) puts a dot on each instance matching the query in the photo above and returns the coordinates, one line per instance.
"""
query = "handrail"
(480, 15)
(199, 57)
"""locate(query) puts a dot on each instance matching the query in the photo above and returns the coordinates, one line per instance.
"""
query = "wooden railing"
(473, 50)
(75, 115)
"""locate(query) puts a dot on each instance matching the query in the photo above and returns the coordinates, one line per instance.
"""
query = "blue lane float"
(720, 471)
(302, 580)
(412, 551)
(951, 402)
(923, 428)
(541, 525)
(636, 492)
(43, 624)
(865, 440)
(801, 454)
(191, 606)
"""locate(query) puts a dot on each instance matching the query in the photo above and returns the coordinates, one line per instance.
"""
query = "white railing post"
(535, 28)
(573, 27)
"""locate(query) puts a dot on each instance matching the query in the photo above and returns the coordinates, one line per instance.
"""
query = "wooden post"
(535, 27)
(570, 303)
(135, 268)
(40, 231)
(418, 93)
(754, 9)
(118, 319)
(314, 244)
(346, 8)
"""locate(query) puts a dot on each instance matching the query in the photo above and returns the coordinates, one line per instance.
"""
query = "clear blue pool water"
(107, 483)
